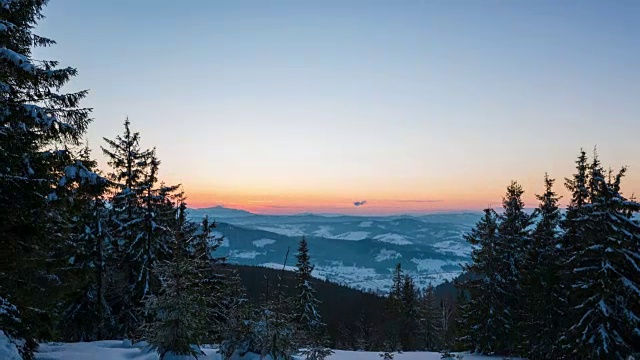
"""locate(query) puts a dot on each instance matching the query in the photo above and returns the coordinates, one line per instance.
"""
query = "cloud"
(360, 203)
(420, 201)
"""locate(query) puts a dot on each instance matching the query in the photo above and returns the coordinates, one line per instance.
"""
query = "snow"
(116, 350)
(430, 265)
(387, 255)
(278, 266)
(244, 254)
(453, 247)
(365, 224)
(287, 230)
(263, 242)
(393, 239)
(18, 59)
(352, 236)
(8, 350)
(323, 231)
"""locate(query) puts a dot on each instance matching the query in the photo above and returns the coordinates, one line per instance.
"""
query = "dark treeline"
(355, 320)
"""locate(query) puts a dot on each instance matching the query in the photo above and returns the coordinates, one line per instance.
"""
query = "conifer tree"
(88, 316)
(178, 312)
(411, 316)
(431, 326)
(311, 327)
(143, 213)
(221, 289)
(393, 311)
(129, 164)
(481, 318)
(544, 306)
(513, 243)
(273, 327)
(603, 273)
(38, 126)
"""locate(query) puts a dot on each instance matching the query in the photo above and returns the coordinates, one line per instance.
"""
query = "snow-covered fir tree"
(142, 212)
(129, 164)
(541, 283)
(178, 313)
(481, 320)
(432, 321)
(310, 325)
(275, 328)
(220, 287)
(88, 316)
(39, 124)
(412, 316)
(393, 311)
(239, 333)
(512, 244)
(603, 273)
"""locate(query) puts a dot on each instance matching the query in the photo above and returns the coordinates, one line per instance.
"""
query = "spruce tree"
(38, 126)
(393, 311)
(310, 326)
(513, 243)
(87, 316)
(143, 212)
(411, 316)
(481, 319)
(603, 273)
(432, 321)
(220, 287)
(178, 322)
(129, 164)
(542, 297)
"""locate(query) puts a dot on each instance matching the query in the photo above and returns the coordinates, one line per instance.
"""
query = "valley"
(355, 251)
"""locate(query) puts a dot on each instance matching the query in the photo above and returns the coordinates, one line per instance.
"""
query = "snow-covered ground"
(117, 350)
(263, 242)
(393, 239)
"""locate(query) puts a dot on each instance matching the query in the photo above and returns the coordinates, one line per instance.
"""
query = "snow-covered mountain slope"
(352, 250)
(117, 350)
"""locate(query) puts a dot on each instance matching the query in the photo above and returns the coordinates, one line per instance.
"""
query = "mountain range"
(357, 251)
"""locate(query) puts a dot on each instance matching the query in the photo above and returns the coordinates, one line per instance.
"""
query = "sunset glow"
(428, 106)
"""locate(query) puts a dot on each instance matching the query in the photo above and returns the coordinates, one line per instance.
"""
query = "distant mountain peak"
(219, 212)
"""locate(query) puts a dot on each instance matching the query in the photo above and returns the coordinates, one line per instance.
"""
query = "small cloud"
(360, 203)
(278, 206)
(420, 201)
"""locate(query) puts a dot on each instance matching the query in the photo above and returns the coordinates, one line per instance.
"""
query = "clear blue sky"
(312, 105)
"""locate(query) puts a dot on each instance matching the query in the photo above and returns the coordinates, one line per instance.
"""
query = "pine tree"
(480, 319)
(411, 316)
(603, 272)
(311, 327)
(88, 316)
(142, 214)
(512, 245)
(129, 164)
(178, 312)
(38, 126)
(393, 311)
(273, 326)
(432, 322)
(544, 306)
(221, 289)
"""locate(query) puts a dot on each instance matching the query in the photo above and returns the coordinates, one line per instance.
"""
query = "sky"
(319, 106)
